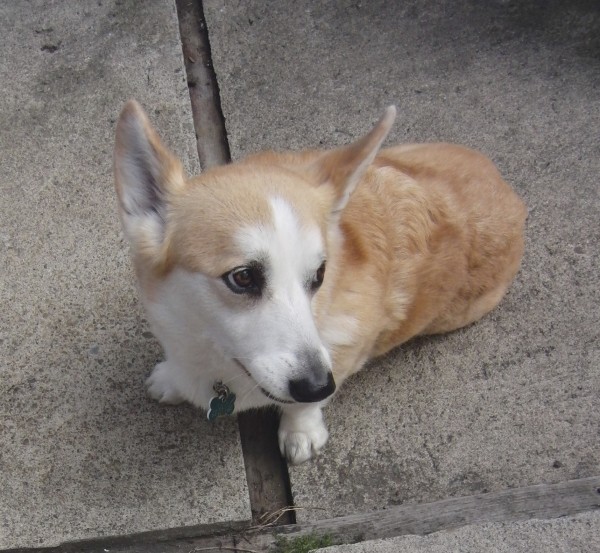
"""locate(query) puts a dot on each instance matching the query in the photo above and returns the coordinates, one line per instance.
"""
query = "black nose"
(308, 390)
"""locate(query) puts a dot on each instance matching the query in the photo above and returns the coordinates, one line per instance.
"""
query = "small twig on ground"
(268, 520)
(223, 548)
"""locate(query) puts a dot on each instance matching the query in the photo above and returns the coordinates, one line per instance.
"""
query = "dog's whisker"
(228, 381)
(248, 392)
(259, 384)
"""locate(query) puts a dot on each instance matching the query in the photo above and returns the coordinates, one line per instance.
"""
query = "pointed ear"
(146, 173)
(343, 168)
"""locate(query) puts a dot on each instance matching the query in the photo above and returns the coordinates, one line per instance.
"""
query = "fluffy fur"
(417, 239)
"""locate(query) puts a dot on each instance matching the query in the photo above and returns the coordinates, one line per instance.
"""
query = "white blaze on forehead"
(280, 332)
(291, 249)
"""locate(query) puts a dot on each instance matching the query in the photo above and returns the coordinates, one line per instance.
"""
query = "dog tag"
(221, 404)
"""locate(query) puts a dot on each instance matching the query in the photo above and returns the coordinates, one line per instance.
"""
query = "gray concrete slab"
(512, 400)
(83, 452)
(576, 534)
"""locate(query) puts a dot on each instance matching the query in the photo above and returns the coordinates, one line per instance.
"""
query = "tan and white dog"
(271, 280)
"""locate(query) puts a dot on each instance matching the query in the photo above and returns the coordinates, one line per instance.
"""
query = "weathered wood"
(211, 136)
(543, 501)
(266, 472)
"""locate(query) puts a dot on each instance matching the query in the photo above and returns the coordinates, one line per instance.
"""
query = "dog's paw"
(302, 434)
(160, 385)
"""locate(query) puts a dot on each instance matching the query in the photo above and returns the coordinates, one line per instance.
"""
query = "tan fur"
(429, 241)
(227, 198)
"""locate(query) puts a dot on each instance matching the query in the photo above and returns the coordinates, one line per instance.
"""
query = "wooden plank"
(544, 501)
(266, 471)
(211, 136)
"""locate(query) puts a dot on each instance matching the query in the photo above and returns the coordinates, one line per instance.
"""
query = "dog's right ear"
(146, 173)
(342, 169)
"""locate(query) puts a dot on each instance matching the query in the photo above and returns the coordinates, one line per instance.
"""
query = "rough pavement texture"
(564, 535)
(83, 453)
(512, 400)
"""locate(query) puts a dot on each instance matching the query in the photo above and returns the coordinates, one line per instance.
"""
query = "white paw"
(160, 385)
(302, 434)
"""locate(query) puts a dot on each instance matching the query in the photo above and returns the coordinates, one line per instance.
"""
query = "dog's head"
(245, 245)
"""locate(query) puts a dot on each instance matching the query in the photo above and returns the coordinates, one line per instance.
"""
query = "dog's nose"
(310, 389)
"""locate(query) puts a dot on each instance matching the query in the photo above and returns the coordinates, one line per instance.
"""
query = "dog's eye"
(318, 278)
(244, 280)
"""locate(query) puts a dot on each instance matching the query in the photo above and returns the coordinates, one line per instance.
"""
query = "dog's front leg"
(162, 384)
(302, 432)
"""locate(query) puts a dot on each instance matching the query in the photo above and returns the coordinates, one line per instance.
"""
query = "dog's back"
(455, 232)
(429, 242)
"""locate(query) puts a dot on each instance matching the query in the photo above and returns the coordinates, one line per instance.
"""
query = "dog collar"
(221, 404)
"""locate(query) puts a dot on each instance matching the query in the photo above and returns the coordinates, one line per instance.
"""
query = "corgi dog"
(271, 280)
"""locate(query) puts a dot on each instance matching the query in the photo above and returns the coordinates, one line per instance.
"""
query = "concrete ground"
(508, 402)
(83, 452)
(564, 535)
(511, 400)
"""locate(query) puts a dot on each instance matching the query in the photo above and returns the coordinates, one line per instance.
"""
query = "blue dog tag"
(221, 404)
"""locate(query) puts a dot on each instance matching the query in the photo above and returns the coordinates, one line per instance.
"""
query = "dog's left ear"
(343, 168)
